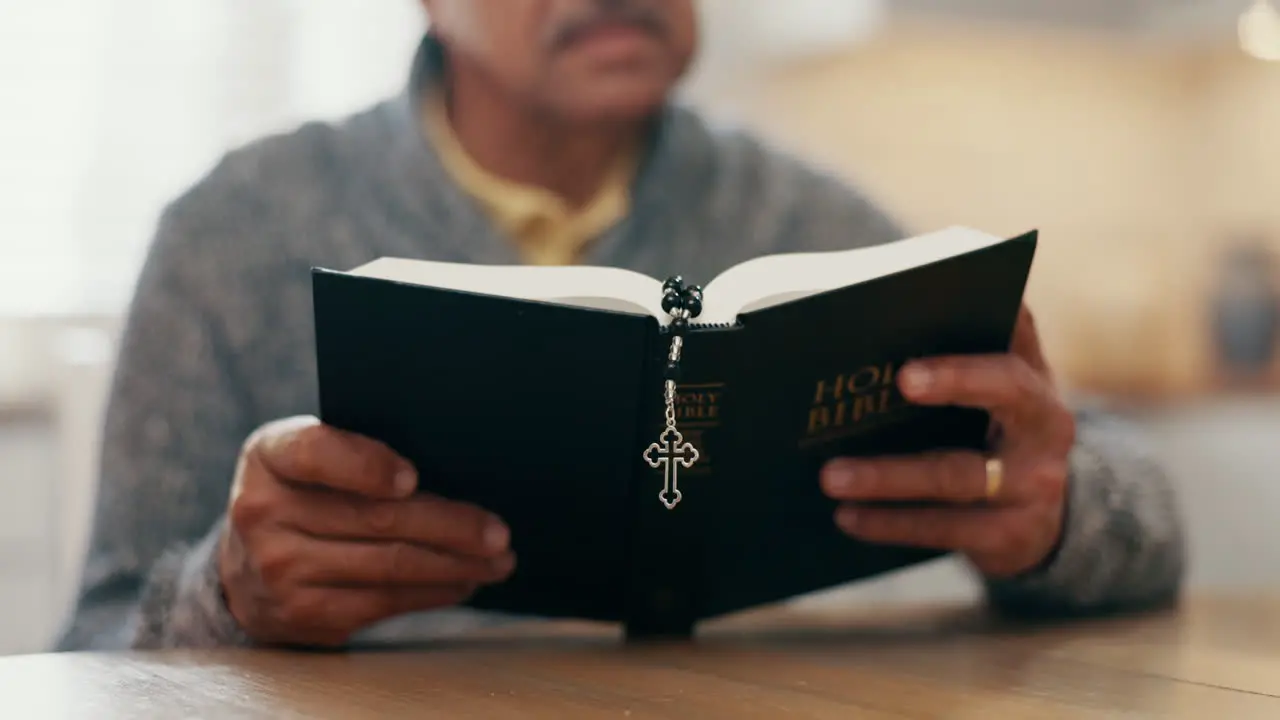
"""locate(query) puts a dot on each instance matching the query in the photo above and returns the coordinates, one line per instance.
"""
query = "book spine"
(661, 593)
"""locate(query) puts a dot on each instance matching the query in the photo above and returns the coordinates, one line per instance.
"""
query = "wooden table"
(1213, 659)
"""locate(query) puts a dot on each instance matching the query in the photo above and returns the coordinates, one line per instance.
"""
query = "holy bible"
(655, 448)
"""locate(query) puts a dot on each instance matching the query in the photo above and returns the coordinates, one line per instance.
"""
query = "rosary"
(671, 451)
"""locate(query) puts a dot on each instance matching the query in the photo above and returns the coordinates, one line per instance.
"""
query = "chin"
(619, 104)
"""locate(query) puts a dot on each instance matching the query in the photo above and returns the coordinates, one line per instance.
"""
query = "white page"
(773, 280)
(596, 287)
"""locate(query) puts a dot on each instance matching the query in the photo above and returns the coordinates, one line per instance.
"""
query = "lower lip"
(613, 40)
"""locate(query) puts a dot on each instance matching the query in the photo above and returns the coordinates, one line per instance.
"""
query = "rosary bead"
(693, 301)
(672, 372)
(672, 301)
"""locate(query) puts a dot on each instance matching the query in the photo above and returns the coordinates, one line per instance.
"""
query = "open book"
(635, 493)
(752, 285)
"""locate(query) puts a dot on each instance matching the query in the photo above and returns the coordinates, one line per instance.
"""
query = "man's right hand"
(326, 537)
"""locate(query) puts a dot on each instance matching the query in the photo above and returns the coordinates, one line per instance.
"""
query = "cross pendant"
(670, 452)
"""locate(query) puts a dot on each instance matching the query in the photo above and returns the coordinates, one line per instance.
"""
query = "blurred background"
(1141, 137)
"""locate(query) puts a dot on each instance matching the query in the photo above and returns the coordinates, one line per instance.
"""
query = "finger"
(426, 520)
(958, 477)
(329, 616)
(302, 450)
(1002, 384)
(976, 531)
(319, 562)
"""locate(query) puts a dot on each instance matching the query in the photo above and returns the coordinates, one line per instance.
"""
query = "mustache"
(609, 12)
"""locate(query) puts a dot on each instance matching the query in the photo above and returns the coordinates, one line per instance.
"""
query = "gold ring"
(995, 477)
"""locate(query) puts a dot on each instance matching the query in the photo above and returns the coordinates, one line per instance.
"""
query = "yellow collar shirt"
(544, 227)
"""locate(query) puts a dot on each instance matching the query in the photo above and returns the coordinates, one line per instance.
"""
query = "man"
(534, 131)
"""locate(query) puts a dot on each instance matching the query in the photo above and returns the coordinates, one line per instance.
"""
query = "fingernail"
(406, 482)
(916, 380)
(846, 519)
(496, 536)
(838, 477)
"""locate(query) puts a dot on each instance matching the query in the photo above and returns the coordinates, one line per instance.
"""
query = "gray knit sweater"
(219, 340)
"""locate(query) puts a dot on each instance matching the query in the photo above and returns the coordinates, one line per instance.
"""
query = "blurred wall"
(1238, 114)
(1137, 163)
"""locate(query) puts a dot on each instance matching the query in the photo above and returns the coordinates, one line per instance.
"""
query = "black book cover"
(542, 413)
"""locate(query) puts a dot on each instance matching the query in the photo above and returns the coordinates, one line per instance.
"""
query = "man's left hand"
(1006, 516)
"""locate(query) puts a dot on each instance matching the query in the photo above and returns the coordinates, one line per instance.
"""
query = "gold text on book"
(699, 410)
(698, 405)
(849, 399)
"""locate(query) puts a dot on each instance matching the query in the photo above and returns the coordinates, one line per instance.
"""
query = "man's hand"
(325, 537)
(1003, 535)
